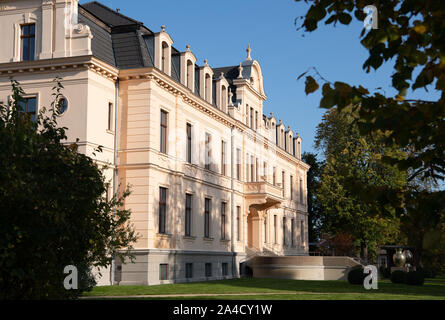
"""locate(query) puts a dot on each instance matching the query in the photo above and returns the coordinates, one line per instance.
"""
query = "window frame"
(207, 216)
(188, 215)
(30, 38)
(163, 147)
(162, 216)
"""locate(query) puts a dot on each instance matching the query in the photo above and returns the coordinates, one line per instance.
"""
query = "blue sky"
(220, 31)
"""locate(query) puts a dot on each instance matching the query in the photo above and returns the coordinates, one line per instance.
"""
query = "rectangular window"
(208, 151)
(252, 172)
(189, 270)
(223, 220)
(110, 116)
(284, 231)
(275, 228)
(251, 118)
(162, 209)
(283, 185)
(274, 176)
(207, 218)
(223, 157)
(29, 106)
(256, 120)
(164, 123)
(302, 233)
(291, 187)
(188, 215)
(189, 143)
(265, 230)
(292, 227)
(265, 171)
(163, 271)
(225, 269)
(28, 36)
(238, 223)
(301, 191)
(238, 164)
(256, 169)
(208, 269)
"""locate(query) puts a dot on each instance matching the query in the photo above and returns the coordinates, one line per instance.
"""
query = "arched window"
(189, 78)
(223, 98)
(165, 60)
(208, 88)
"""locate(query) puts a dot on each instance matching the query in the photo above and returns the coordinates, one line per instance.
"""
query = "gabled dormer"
(288, 143)
(297, 146)
(222, 90)
(187, 63)
(163, 51)
(206, 82)
(280, 128)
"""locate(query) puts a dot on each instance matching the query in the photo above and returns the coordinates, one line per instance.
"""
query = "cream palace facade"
(214, 181)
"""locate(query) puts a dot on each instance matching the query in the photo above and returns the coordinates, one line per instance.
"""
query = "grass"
(288, 290)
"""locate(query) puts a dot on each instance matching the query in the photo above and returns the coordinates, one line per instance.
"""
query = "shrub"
(385, 272)
(415, 278)
(356, 275)
(427, 272)
(398, 276)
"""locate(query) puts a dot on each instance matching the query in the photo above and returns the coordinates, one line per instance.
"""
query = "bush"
(415, 278)
(398, 276)
(385, 272)
(356, 275)
(427, 272)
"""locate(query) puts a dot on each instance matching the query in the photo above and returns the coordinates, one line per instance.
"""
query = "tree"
(53, 211)
(315, 220)
(353, 170)
(411, 34)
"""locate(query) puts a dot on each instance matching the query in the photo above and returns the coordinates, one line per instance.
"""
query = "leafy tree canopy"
(53, 210)
(410, 34)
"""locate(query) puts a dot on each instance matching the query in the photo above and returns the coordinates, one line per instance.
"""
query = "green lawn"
(288, 289)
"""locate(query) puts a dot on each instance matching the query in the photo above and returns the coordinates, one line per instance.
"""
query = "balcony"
(262, 195)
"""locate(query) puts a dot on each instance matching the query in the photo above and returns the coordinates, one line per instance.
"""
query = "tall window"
(208, 151)
(291, 187)
(247, 168)
(162, 209)
(238, 164)
(274, 176)
(223, 157)
(188, 215)
(283, 185)
(208, 88)
(110, 116)
(284, 231)
(190, 70)
(302, 233)
(301, 191)
(292, 231)
(29, 106)
(208, 269)
(163, 271)
(265, 171)
(189, 143)
(265, 230)
(251, 118)
(164, 57)
(238, 223)
(223, 220)
(225, 269)
(28, 37)
(189, 270)
(207, 218)
(256, 120)
(256, 169)
(275, 228)
(252, 173)
(164, 123)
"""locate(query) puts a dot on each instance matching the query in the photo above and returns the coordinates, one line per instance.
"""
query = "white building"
(214, 181)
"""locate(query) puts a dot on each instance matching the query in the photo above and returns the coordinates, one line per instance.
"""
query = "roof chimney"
(118, 10)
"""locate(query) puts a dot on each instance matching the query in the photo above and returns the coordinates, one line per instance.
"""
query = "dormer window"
(190, 71)
(223, 98)
(165, 57)
(208, 88)
(28, 37)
